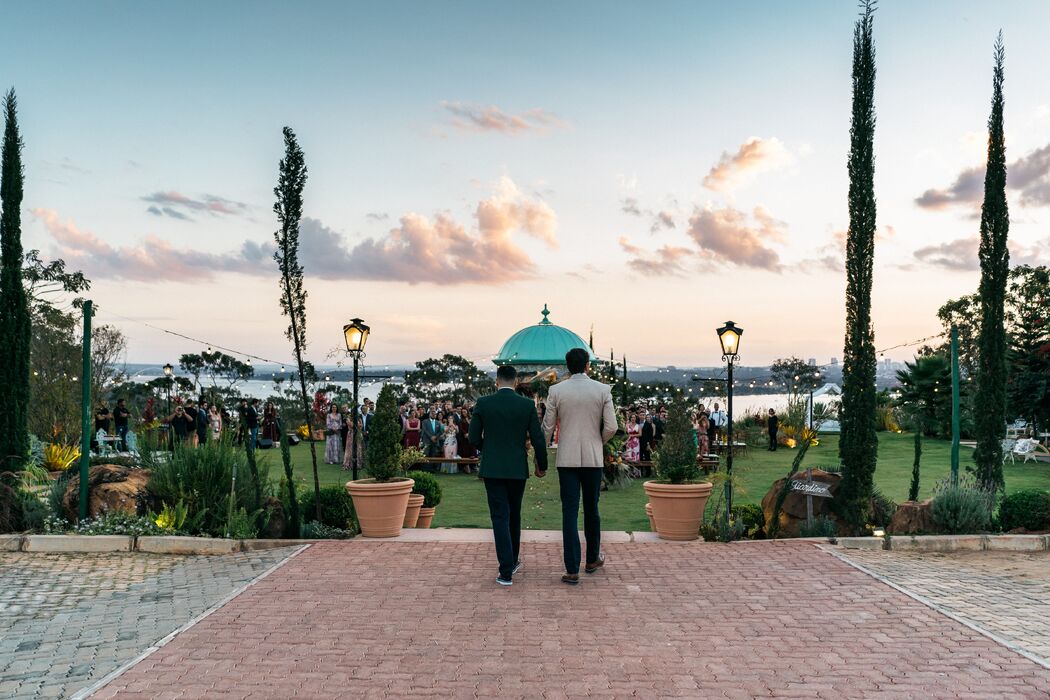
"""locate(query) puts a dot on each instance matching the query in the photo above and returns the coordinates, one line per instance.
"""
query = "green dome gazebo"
(541, 347)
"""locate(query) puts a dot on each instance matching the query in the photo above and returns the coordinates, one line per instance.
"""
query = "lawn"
(464, 502)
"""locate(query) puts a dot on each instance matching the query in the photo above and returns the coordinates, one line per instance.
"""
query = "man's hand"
(540, 473)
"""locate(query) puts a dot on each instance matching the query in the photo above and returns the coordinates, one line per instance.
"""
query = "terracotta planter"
(649, 514)
(380, 506)
(415, 502)
(678, 508)
(426, 515)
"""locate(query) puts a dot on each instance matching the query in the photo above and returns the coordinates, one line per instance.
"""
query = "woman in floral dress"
(633, 446)
(333, 451)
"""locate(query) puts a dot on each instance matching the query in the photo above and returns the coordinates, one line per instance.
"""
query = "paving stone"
(67, 620)
(392, 619)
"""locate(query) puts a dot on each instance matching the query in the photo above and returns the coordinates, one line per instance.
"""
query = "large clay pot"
(678, 508)
(649, 514)
(380, 506)
(426, 515)
(415, 502)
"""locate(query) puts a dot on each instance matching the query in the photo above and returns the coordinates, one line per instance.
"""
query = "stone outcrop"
(112, 489)
(793, 511)
(913, 518)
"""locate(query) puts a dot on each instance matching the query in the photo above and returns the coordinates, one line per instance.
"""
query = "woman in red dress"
(410, 431)
(463, 440)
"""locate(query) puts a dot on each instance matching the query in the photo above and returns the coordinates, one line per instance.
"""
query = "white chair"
(1030, 449)
(1008, 449)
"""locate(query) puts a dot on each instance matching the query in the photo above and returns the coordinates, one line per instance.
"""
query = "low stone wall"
(93, 544)
(950, 543)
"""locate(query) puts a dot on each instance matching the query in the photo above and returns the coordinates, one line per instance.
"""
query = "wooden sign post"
(811, 489)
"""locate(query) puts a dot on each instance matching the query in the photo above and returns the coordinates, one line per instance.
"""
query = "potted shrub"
(678, 495)
(381, 501)
(428, 489)
(415, 499)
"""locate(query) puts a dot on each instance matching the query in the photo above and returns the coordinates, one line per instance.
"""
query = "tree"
(384, 444)
(216, 365)
(449, 377)
(291, 180)
(797, 376)
(1028, 322)
(926, 397)
(858, 442)
(965, 314)
(990, 421)
(15, 329)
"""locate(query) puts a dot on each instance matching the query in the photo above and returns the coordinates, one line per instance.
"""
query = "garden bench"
(431, 464)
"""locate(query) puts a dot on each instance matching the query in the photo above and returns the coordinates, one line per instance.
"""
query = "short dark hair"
(577, 360)
(506, 373)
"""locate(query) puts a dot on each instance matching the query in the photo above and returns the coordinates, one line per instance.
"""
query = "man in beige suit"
(582, 411)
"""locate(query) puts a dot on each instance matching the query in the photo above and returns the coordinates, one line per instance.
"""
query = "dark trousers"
(122, 433)
(572, 482)
(505, 510)
(773, 440)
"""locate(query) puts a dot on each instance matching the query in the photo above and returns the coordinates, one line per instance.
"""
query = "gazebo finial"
(546, 321)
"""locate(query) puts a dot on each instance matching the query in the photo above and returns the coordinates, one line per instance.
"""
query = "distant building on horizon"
(812, 362)
(834, 361)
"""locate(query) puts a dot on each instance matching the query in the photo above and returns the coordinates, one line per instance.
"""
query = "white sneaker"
(504, 581)
(516, 569)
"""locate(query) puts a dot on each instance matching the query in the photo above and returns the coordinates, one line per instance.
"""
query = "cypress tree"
(14, 307)
(858, 444)
(990, 397)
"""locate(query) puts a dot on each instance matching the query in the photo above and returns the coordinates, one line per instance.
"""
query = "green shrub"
(965, 508)
(337, 508)
(882, 508)
(314, 530)
(34, 511)
(242, 526)
(675, 459)
(822, 526)
(427, 485)
(36, 451)
(1025, 509)
(384, 438)
(200, 477)
(751, 518)
(58, 490)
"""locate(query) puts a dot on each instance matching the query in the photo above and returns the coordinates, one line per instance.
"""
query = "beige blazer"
(582, 410)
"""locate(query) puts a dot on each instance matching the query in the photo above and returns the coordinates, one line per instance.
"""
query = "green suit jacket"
(501, 426)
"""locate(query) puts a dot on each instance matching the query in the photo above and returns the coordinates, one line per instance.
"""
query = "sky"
(646, 169)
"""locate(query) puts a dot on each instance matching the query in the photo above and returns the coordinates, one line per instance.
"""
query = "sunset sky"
(652, 169)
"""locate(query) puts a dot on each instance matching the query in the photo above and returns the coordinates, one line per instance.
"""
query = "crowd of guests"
(439, 430)
(645, 429)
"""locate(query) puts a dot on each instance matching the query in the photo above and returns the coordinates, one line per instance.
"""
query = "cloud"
(756, 155)
(489, 118)
(377, 216)
(662, 220)
(1029, 175)
(420, 249)
(172, 201)
(727, 236)
(167, 211)
(665, 260)
(629, 205)
(961, 254)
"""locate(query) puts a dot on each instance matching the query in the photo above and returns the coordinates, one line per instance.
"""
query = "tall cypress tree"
(14, 307)
(858, 444)
(291, 180)
(990, 397)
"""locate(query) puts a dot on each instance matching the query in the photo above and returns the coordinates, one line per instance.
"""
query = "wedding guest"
(191, 415)
(645, 449)
(634, 438)
(251, 423)
(772, 425)
(703, 430)
(183, 427)
(271, 424)
(202, 422)
(215, 421)
(449, 437)
(410, 434)
(121, 414)
(463, 445)
(432, 434)
(333, 452)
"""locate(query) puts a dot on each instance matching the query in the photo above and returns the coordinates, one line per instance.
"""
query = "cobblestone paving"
(392, 620)
(1007, 594)
(68, 620)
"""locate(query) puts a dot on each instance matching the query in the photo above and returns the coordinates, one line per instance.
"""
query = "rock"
(112, 489)
(273, 515)
(913, 517)
(793, 512)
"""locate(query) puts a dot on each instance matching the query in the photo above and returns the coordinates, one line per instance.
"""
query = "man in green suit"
(502, 425)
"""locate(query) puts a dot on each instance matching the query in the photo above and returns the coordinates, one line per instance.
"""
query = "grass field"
(464, 502)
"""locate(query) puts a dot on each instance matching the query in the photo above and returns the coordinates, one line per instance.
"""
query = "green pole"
(955, 405)
(85, 415)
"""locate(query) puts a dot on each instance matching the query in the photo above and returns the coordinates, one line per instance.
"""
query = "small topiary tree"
(428, 486)
(675, 458)
(384, 440)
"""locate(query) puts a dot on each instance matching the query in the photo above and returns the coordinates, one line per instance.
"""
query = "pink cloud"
(727, 236)
(756, 155)
(471, 117)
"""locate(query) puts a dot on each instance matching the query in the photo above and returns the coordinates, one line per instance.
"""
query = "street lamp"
(168, 369)
(356, 335)
(729, 338)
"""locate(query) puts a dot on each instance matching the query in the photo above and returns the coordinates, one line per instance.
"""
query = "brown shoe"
(571, 579)
(594, 566)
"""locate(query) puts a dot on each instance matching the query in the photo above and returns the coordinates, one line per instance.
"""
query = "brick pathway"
(1005, 594)
(376, 620)
(66, 621)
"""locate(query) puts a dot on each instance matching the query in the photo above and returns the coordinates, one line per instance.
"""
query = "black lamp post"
(356, 335)
(168, 369)
(729, 338)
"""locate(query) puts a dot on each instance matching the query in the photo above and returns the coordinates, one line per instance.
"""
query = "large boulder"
(913, 518)
(793, 511)
(274, 519)
(112, 488)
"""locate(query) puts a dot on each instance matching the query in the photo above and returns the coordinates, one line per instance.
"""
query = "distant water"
(261, 389)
